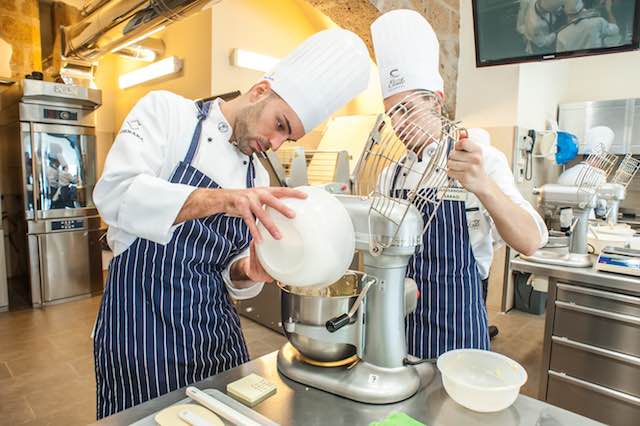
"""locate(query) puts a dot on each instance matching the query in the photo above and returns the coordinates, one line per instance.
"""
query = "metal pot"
(315, 307)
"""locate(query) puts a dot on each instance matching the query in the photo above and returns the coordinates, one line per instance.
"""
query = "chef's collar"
(220, 122)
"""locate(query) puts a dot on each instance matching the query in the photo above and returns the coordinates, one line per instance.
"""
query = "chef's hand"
(248, 204)
(465, 165)
(249, 268)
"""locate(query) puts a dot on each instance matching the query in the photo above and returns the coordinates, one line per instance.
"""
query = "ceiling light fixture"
(252, 60)
(165, 67)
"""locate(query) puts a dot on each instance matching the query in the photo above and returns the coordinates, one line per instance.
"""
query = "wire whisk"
(626, 171)
(596, 169)
(405, 159)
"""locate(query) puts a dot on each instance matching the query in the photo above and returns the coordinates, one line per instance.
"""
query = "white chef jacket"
(483, 234)
(588, 33)
(134, 195)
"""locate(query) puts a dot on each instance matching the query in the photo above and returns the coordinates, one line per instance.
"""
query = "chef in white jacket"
(586, 28)
(179, 191)
(487, 209)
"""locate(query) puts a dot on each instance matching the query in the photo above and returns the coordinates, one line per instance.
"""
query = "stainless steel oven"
(49, 133)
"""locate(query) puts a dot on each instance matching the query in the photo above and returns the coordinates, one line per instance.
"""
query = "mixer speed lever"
(340, 321)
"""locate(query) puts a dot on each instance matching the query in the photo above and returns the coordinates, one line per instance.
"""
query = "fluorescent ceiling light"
(137, 53)
(165, 67)
(252, 60)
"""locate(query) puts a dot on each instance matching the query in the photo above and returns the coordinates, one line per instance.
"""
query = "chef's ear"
(259, 91)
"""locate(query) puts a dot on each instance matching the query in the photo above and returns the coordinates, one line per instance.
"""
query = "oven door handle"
(36, 173)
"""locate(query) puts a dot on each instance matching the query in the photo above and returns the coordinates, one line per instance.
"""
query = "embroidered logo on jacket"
(131, 127)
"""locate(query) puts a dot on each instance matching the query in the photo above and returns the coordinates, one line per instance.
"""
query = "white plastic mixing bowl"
(317, 245)
(480, 380)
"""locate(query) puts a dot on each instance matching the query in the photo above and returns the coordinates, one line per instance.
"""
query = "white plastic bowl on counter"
(316, 247)
(480, 380)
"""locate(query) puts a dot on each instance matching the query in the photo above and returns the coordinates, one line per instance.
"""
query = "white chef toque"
(406, 49)
(321, 75)
(599, 138)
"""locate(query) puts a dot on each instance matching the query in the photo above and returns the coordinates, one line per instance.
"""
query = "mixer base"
(361, 382)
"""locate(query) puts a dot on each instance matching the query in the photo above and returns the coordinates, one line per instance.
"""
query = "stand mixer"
(581, 199)
(615, 191)
(349, 338)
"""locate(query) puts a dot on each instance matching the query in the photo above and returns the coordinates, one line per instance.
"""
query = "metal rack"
(321, 167)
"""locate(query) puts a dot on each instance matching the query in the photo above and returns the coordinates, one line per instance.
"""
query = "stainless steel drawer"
(596, 365)
(596, 327)
(599, 299)
(599, 403)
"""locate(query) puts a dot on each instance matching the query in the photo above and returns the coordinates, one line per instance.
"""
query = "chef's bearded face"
(265, 122)
(416, 117)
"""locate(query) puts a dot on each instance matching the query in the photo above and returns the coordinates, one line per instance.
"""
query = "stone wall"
(444, 16)
(20, 28)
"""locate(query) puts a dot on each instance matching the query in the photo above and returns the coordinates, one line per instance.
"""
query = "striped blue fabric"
(450, 313)
(166, 320)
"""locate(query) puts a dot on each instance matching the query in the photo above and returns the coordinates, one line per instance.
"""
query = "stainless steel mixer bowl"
(312, 306)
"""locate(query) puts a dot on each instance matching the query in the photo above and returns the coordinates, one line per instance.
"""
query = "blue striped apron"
(166, 320)
(450, 313)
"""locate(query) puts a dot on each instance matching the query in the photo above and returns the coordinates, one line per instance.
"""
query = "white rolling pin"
(219, 408)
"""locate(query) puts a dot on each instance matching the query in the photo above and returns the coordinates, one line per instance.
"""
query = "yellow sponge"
(251, 390)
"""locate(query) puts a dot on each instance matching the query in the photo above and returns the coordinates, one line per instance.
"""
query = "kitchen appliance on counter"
(48, 170)
(581, 199)
(619, 260)
(349, 338)
(614, 192)
(367, 321)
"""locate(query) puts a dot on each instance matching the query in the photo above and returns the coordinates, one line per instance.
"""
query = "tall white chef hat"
(321, 75)
(599, 137)
(407, 52)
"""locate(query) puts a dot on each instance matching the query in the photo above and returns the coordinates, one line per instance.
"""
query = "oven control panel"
(60, 114)
(64, 225)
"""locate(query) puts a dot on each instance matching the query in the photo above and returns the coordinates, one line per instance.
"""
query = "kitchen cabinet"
(591, 354)
(622, 116)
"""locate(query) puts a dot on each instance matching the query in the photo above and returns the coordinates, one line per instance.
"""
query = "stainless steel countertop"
(296, 404)
(607, 280)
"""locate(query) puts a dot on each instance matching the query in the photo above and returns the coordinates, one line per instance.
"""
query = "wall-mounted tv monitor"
(512, 31)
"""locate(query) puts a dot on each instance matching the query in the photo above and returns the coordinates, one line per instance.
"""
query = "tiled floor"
(46, 361)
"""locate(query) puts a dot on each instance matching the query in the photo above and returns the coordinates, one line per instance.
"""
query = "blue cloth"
(166, 320)
(567, 147)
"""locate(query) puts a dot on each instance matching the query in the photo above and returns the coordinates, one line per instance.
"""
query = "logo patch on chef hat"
(395, 79)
